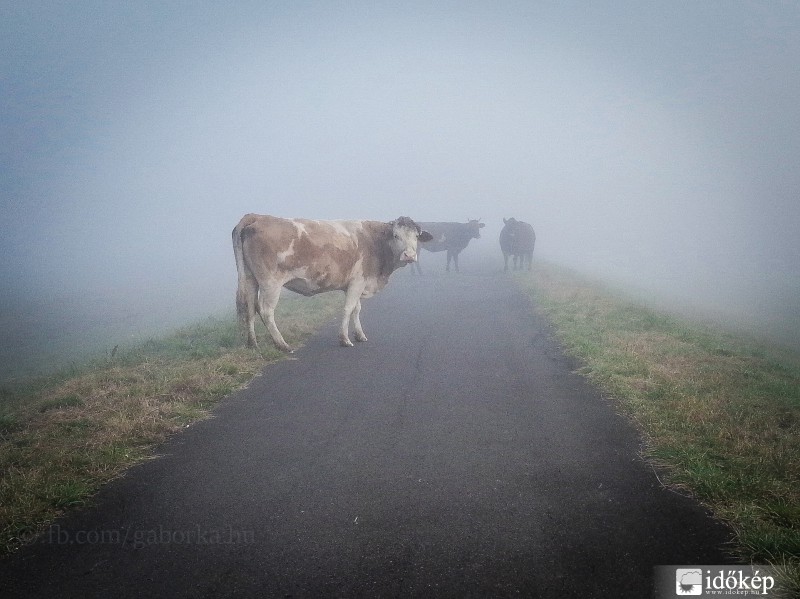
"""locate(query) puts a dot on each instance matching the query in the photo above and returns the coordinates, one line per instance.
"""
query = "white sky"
(653, 142)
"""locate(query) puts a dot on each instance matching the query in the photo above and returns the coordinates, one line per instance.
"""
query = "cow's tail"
(243, 289)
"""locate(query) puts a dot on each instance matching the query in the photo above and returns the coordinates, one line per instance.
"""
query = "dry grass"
(719, 413)
(63, 438)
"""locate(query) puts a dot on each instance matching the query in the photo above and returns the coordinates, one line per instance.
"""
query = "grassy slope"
(719, 412)
(64, 436)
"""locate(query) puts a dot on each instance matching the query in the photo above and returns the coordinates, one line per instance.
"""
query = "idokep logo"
(688, 581)
(714, 581)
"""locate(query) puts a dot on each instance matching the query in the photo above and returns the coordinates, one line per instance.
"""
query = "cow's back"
(321, 252)
(446, 236)
(525, 238)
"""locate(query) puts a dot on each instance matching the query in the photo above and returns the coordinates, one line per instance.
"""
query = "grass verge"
(719, 413)
(63, 436)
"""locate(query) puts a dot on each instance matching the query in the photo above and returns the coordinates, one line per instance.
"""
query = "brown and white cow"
(314, 256)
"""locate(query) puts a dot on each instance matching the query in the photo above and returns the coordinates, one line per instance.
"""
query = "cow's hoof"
(345, 342)
(361, 338)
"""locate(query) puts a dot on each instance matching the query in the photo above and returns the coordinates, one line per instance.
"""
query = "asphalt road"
(455, 454)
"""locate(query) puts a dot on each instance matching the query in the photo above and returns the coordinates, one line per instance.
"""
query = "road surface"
(455, 454)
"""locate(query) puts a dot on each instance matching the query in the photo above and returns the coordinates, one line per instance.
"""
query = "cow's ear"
(424, 236)
(481, 225)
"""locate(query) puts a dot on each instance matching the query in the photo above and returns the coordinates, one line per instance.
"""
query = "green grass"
(719, 412)
(65, 435)
(66, 401)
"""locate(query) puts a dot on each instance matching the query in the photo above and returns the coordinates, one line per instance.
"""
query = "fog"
(653, 144)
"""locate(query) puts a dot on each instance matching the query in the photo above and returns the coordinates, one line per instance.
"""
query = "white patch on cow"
(357, 278)
(285, 254)
(301, 228)
(340, 228)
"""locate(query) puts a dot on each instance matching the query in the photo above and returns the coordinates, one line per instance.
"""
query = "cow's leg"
(268, 297)
(455, 260)
(352, 298)
(449, 256)
(246, 299)
(251, 324)
(505, 258)
(360, 336)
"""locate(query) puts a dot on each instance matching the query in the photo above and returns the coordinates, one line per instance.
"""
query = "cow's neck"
(386, 263)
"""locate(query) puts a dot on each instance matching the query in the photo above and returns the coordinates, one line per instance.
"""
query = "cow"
(314, 256)
(450, 237)
(517, 239)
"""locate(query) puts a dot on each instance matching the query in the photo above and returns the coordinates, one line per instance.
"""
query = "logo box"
(715, 581)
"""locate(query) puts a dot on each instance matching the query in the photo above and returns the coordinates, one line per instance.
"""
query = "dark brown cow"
(450, 237)
(517, 239)
(314, 256)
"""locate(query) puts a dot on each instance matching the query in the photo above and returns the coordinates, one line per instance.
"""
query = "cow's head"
(475, 226)
(405, 236)
(510, 227)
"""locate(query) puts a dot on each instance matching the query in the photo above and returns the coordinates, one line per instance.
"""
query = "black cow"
(517, 239)
(452, 237)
